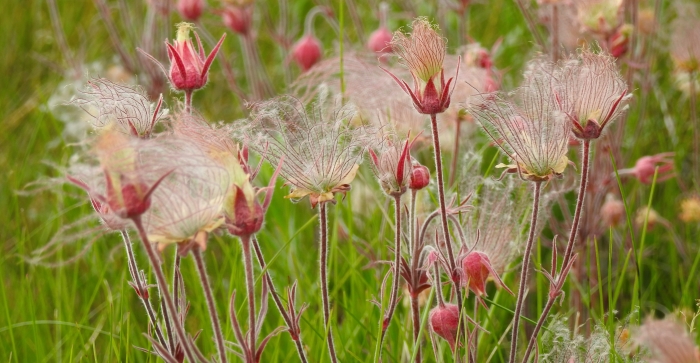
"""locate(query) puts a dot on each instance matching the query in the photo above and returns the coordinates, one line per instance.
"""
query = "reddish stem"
(323, 216)
(250, 289)
(393, 300)
(188, 101)
(211, 305)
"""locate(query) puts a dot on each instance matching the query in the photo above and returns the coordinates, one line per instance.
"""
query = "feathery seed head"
(592, 92)
(126, 108)
(527, 127)
(599, 16)
(423, 53)
(391, 164)
(668, 341)
(321, 151)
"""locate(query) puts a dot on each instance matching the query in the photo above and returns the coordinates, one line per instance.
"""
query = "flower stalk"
(211, 305)
(323, 219)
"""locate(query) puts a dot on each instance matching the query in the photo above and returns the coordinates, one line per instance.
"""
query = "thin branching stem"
(211, 305)
(569, 247)
(136, 276)
(167, 298)
(393, 300)
(323, 218)
(275, 297)
(443, 210)
(523, 272)
(250, 289)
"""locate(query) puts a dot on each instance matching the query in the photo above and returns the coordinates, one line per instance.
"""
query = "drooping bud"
(380, 41)
(306, 52)
(619, 41)
(190, 10)
(646, 166)
(444, 322)
(237, 18)
(477, 267)
(420, 177)
(612, 212)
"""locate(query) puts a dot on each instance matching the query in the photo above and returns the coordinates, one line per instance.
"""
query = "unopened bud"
(420, 177)
(306, 52)
(190, 10)
(237, 18)
(444, 322)
(380, 41)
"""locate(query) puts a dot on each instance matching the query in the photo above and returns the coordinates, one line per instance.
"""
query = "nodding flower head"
(307, 51)
(420, 176)
(130, 179)
(321, 151)
(391, 164)
(527, 127)
(123, 107)
(591, 92)
(191, 10)
(188, 203)
(189, 69)
(477, 268)
(668, 341)
(423, 53)
(646, 167)
(380, 40)
(237, 18)
(444, 322)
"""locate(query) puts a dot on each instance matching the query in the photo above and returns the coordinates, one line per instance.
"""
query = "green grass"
(86, 311)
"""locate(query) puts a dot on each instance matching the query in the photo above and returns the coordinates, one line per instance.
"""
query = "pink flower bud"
(645, 168)
(444, 322)
(237, 18)
(380, 41)
(476, 272)
(612, 212)
(190, 10)
(306, 52)
(247, 216)
(420, 177)
(619, 41)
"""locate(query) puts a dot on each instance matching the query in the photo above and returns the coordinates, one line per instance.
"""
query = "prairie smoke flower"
(321, 151)
(646, 166)
(592, 93)
(91, 178)
(124, 107)
(189, 69)
(444, 322)
(527, 127)
(237, 18)
(599, 16)
(380, 40)
(391, 164)
(420, 176)
(307, 51)
(130, 179)
(612, 212)
(668, 341)
(191, 10)
(188, 203)
(423, 53)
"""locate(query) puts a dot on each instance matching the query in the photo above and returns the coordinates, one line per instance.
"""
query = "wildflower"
(668, 341)
(646, 167)
(527, 127)
(189, 69)
(380, 40)
(321, 152)
(129, 179)
(306, 51)
(444, 322)
(592, 93)
(477, 267)
(127, 108)
(191, 10)
(423, 52)
(188, 204)
(612, 212)
(690, 209)
(392, 165)
(237, 18)
(91, 179)
(599, 16)
(420, 176)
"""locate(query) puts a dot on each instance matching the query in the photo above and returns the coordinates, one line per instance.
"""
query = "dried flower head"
(189, 201)
(125, 107)
(591, 92)
(423, 53)
(527, 126)
(391, 163)
(321, 151)
(668, 341)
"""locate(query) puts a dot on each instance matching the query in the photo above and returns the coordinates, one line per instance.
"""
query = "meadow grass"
(86, 311)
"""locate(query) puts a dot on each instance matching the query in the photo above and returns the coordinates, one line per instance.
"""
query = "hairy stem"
(275, 297)
(250, 289)
(455, 152)
(443, 210)
(569, 246)
(523, 272)
(414, 255)
(323, 217)
(136, 276)
(167, 298)
(393, 300)
(188, 102)
(211, 305)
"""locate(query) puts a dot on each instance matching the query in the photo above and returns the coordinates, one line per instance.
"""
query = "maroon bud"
(380, 41)
(190, 10)
(420, 177)
(476, 271)
(306, 52)
(237, 18)
(247, 216)
(444, 321)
